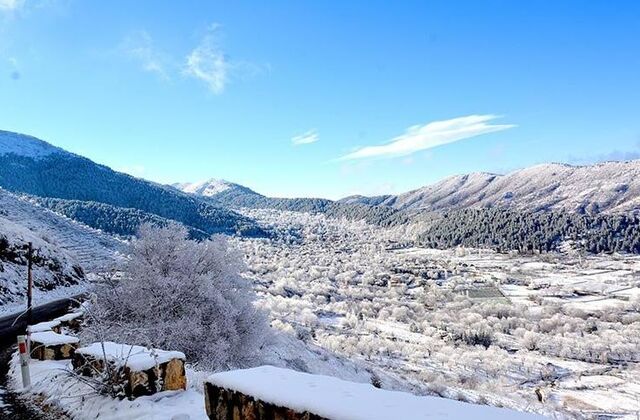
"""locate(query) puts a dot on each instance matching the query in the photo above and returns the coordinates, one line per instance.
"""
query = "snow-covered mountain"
(235, 196)
(610, 187)
(207, 188)
(64, 249)
(604, 187)
(26, 146)
(32, 166)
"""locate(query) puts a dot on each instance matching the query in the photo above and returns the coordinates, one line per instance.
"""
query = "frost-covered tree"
(178, 294)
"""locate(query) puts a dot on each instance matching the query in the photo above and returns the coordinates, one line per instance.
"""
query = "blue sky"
(326, 98)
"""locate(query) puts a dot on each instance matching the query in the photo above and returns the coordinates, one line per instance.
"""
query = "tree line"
(515, 230)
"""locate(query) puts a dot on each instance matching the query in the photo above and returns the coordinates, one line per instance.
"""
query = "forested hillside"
(111, 219)
(462, 220)
(54, 173)
(525, 231)
(237, 196)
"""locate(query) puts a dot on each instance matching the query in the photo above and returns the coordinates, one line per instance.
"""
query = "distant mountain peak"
(208, 188)
(24, 145)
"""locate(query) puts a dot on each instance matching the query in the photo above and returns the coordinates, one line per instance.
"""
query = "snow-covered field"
(473, 325)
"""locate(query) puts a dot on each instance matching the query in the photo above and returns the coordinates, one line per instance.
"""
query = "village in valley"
(472, 324)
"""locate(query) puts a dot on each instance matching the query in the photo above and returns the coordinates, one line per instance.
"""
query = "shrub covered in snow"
(178, 294)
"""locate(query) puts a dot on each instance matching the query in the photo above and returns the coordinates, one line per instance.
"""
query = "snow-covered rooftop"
(337, 399)
(137, 358)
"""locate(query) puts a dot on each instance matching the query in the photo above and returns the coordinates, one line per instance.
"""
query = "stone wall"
(168, 376)
(224, 404)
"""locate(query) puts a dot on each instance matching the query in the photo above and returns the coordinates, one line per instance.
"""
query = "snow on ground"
(52, 380)
(350, 305)
(23, 145)
(61, 246)
(405, 314)
(43, 326)
(337, 399)
(90, 247)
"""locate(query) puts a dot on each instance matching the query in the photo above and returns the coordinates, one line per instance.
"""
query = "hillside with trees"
(514, 230)
(54, 173)
(111, 219)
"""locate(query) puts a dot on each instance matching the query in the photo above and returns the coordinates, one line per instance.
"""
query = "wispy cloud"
(433, 134)
(207, 62)
(308, 137)
(11, 5)
(140, 47)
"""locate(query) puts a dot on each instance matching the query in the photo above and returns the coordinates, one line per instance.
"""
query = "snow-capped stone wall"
(140, 371)
(268, 392)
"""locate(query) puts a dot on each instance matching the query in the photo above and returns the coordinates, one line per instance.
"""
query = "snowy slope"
(90, 248)
(609, 187)
(604, 187)
(26, 146)
(207, 188)
(64, 250)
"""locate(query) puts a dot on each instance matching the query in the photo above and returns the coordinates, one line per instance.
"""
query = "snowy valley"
(544, 321)
(469, 324)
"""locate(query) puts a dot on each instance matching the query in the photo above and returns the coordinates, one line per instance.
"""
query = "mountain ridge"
(612, 186)
(32, 166)
(602, 187)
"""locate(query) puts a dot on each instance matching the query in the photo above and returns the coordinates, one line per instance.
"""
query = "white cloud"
(207, 62)
(11, 5)
(140, 47)
(309, 137)
(433, 134)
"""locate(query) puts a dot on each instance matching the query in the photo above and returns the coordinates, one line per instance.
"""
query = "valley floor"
(557, 334)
